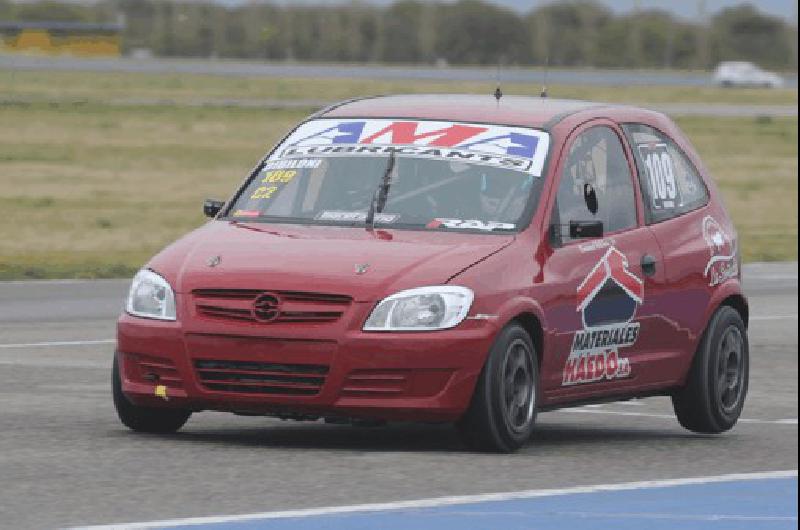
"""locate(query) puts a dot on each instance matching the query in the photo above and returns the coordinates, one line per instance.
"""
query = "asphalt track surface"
(238, 68)
(65, 460)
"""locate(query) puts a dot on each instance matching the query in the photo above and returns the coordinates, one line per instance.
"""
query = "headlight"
(151, 297)
(421, 309)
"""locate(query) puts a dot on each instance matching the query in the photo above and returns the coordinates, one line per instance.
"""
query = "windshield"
(445, 176)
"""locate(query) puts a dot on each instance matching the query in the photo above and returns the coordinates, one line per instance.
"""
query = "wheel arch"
(526, 312)
(739, 303)
(531, 323)
(728, 294)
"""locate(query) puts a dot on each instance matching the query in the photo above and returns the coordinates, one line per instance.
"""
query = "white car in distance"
(745, 74)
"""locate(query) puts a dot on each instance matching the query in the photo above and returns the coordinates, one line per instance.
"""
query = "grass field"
(84, 86)
(92, 189)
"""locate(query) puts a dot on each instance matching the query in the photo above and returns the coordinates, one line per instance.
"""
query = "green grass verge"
(96, 86)
(83, 265)
(754, 162)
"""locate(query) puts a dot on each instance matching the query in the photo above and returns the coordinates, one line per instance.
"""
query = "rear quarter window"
(671, 185)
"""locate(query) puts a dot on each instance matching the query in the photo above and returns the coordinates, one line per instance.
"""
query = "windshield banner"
(516, 148)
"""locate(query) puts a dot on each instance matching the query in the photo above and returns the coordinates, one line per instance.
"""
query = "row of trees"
(568, 33)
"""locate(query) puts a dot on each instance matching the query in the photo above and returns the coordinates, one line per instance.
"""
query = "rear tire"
(715, 390)
(145, 419)
(502, 413)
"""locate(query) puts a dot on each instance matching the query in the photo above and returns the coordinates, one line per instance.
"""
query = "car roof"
(522, 111)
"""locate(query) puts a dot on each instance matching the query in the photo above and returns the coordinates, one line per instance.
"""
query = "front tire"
(144, 419)
(502, 413)
(713, 398)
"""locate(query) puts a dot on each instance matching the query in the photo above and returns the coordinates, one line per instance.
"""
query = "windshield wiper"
(379, 198)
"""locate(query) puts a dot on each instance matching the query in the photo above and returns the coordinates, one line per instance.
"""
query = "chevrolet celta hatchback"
(448, 258)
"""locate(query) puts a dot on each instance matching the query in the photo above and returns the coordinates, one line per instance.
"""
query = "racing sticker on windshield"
(516, 148)
(723, 262)
(470, 224)
(607, 299)
(660, 175)
(296, 163)
(272, 180)
(280, 176)
(355, 217)
(264, 192)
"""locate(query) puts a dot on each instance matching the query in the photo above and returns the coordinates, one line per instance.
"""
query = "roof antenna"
(546, 71)
(498, 93)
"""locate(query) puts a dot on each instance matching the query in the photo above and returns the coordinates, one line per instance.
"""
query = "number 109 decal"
(660, 175)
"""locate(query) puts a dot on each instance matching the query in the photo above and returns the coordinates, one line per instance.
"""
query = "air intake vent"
(261, 378)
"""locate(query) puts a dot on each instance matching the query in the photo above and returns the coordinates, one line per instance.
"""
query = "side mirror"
(211, 207)
(585, 229)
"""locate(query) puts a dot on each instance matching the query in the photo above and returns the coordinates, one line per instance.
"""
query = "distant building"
(61, 38)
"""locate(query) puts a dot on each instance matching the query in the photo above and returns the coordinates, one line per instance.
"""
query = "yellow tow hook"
(161, 391)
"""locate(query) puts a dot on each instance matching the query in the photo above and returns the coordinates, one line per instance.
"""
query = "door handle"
(648, 264)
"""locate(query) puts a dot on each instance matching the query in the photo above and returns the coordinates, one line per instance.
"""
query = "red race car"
(448, 258)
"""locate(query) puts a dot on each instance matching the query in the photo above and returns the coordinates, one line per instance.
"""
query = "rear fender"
(724, 294)
(727, 293)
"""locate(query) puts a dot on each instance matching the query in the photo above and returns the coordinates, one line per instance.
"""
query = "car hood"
(275, 257)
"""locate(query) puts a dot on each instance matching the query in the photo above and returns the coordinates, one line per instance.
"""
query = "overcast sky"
(685, 8)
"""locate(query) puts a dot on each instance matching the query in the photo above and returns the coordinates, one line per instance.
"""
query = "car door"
(601, 301)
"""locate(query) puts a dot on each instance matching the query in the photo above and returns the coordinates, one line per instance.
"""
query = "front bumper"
(302, 370)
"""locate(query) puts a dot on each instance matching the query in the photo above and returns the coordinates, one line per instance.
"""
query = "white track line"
(597, 410)
(770, 277)
(58, 343)
(448, 501)
(775, 317)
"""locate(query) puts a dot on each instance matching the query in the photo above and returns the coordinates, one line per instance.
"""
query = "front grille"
(249, 305)
(261, 377)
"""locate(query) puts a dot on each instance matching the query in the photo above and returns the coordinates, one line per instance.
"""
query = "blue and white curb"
(750, 500)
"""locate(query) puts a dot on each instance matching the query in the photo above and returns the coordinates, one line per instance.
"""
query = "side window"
(671, 185)
(596, 161)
